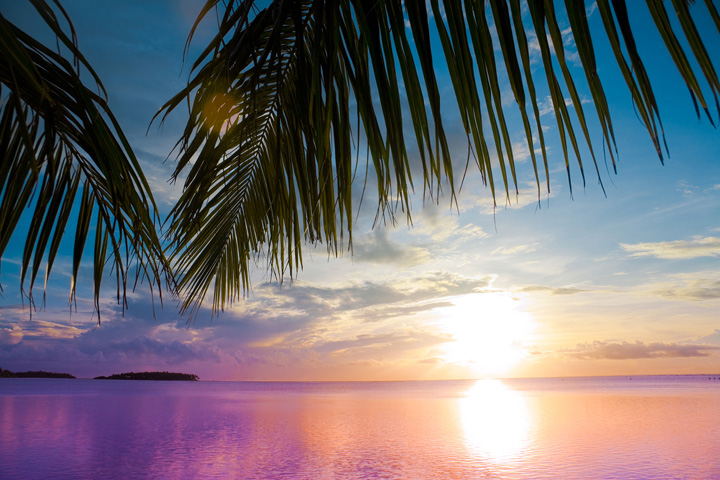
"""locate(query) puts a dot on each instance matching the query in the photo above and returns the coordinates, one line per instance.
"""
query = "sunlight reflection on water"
(495, 420)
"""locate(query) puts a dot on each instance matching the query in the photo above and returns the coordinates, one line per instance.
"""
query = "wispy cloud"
(700, 289)
(689, 286)
(39, 329)
(679, 249)
(547, 106)
(551, 290)
(621, 350)
(387, 342)
(514, 250)
(528, 194)
(591, 9)
(570, 49)
(158, 174)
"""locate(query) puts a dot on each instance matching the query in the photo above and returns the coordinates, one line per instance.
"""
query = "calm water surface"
(599, 428)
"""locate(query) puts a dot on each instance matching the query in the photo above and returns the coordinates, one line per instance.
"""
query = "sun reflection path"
(496, 420)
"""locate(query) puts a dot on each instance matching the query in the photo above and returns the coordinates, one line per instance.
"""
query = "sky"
(625, 282)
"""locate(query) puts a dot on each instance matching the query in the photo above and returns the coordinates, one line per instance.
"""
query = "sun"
(489, 331)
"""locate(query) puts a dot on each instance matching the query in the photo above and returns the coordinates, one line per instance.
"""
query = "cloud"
(693, 286)
(521, 151)
(342, 320)
(37, 329)
(296, 327)
(621, 350)
(678, 249)
(385, 341)
(590, 9)
(700, 289)
(378, 248)
(686, 188)
(10, 335)
(570, 49)
(547, 106)
(517, 249)
(397, 296)
(552, 290)
(146, 348)
(158, 174)
(435, 222)
(528, 194)
(713, 338)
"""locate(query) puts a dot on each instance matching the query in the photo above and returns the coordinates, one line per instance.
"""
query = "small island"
(188, 377)
(33, 374)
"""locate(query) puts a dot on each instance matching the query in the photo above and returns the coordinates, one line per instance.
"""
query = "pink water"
(644, 427)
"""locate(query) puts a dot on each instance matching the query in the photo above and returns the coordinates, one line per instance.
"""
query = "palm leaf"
(57, 135)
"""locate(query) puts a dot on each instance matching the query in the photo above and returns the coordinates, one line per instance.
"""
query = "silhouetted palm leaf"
(65, 157)
(278, 95)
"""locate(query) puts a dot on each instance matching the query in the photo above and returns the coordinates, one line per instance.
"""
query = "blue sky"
(627, 283)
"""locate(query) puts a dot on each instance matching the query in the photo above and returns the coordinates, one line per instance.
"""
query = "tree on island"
(276, 100)
(33, 374)
(151, 376)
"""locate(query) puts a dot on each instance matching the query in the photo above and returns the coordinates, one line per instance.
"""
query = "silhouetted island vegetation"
(33, 374)
(189, 377)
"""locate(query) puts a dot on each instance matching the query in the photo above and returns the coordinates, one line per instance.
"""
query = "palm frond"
(268, 148)
(65, 158)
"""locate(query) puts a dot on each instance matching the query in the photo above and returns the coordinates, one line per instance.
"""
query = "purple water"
(606, 427)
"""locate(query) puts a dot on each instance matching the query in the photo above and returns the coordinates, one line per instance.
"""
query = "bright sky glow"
(490, 332)
(588, 284)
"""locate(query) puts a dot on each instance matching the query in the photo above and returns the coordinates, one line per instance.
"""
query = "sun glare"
(488, 331)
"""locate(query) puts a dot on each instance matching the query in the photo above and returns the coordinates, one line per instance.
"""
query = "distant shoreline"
(162, 376)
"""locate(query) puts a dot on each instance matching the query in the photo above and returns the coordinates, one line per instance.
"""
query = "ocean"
(659, 427)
